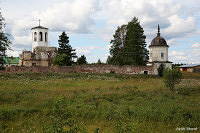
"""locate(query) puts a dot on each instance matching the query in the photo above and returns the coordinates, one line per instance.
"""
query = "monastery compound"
(41, 57)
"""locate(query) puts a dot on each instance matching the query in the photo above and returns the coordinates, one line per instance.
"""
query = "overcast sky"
(90, 24)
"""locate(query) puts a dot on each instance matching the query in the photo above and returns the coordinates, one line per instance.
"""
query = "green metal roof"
(11, 60)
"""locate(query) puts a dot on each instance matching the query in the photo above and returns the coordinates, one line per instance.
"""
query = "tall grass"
(78, 102)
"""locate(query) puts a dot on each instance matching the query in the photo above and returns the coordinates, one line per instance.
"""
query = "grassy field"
(96, 103)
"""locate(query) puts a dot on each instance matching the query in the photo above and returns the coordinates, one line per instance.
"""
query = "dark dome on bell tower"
(158, 40)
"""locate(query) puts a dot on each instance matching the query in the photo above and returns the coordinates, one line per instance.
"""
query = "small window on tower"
(162, 55)
(35, 36)
(41, 36)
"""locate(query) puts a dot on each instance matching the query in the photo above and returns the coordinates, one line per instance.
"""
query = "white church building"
(41, 54)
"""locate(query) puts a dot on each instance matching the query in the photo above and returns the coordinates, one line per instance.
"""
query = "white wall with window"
(158, 53)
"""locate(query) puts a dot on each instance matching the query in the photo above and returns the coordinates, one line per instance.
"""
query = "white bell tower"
(39, 36)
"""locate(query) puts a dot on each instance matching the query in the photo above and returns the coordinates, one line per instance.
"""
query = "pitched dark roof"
(158, 40)
(39, 27)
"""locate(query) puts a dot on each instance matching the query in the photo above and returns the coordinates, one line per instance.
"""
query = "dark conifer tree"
(135, 49)
(65, 47)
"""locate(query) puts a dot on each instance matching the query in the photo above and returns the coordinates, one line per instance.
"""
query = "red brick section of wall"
(84, 69)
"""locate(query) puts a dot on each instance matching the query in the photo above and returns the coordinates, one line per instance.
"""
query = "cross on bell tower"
(158, 34)
(39, 22)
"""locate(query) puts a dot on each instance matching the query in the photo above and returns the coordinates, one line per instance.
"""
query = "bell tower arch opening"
(46, 35)
(41, 37)
(35, 36)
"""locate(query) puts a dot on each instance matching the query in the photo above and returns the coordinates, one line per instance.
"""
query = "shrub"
(171, 77)
(160, 70)
(62, 60)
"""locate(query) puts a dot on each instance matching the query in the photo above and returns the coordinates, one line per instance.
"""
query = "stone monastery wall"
(85, 69)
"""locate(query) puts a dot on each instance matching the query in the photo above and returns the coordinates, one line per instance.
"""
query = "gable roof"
(190, 65)
(11, 60)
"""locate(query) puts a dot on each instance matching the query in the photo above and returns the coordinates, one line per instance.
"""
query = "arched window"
(35, 36)
(41, 36)
(46, 34)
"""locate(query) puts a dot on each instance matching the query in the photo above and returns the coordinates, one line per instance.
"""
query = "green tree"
(99, 62)
(116, 50)
(62, 60)
(4, 41)
(81, 60)
(109, 60)
(171, 77)
(128, 46)
(66, 48)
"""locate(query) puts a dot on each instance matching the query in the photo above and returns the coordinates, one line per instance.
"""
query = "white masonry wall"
(155, 53)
